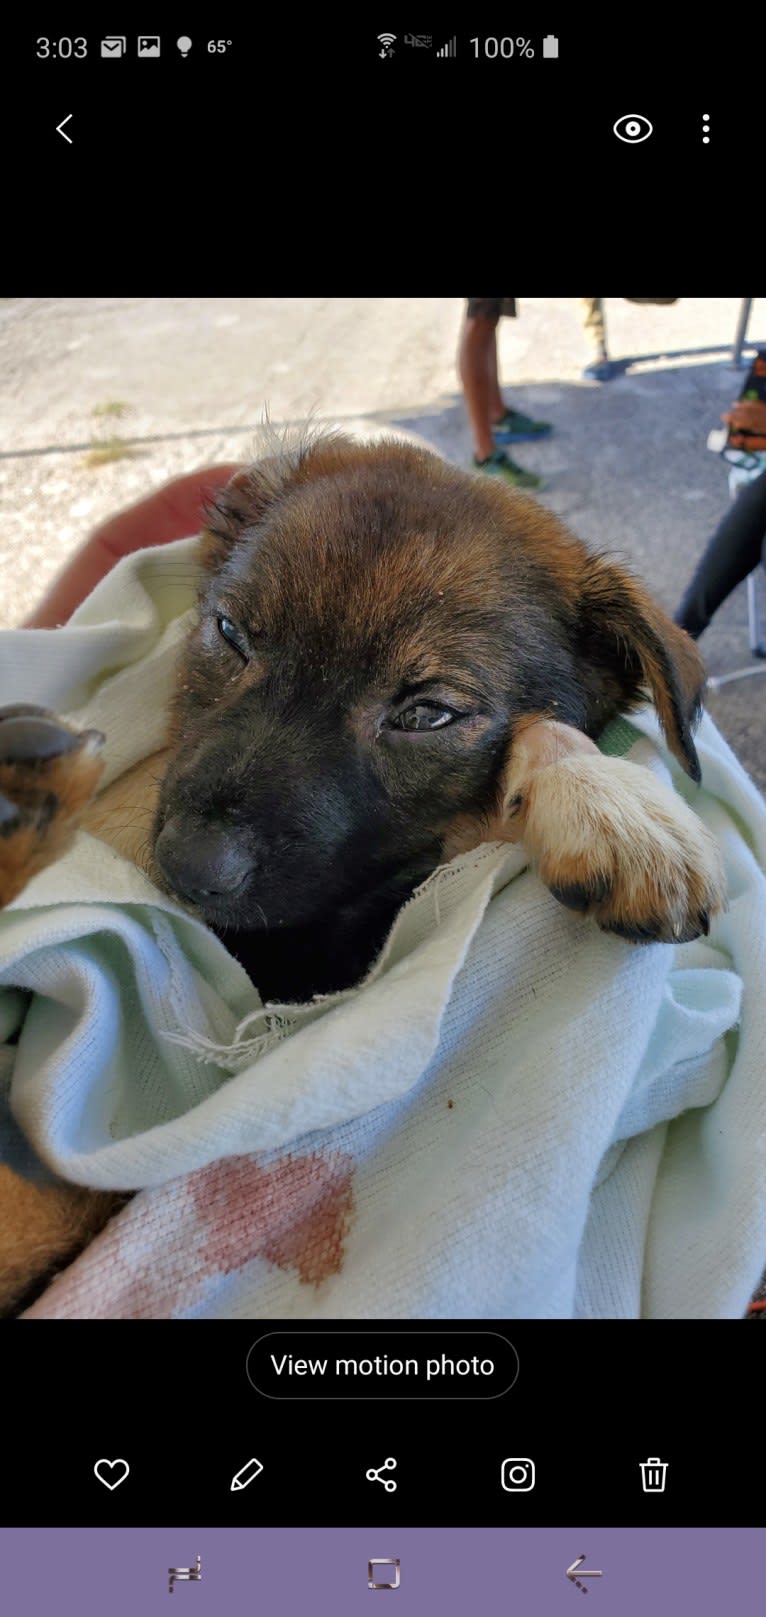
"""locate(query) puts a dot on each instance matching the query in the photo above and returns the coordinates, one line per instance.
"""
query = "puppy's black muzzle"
(208, 863)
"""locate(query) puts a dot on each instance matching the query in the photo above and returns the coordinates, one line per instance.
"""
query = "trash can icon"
(653, 1474)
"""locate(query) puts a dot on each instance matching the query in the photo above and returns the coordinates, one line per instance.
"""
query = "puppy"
(392, 662)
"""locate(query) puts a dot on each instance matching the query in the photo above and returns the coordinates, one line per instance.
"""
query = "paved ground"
(627, 466)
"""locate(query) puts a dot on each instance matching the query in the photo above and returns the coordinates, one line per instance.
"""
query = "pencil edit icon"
(245, 1475)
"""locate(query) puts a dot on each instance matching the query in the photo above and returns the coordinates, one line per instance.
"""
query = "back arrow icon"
(60, 128)
(571, 1570)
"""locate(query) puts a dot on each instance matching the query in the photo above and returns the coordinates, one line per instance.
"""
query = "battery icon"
(550, 45)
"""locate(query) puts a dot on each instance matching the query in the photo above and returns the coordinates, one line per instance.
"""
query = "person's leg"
(594, 325)
(497, 408)
(598, 368)
(735, 549)
(492, 422)
(478, 362)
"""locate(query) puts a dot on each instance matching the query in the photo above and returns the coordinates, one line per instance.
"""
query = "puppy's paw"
(611, 841)
(48, 773)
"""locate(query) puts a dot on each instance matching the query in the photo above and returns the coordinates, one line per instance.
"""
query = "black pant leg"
(735, 549)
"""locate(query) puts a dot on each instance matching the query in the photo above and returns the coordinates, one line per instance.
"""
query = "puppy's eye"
(230, 633)
(425, 716)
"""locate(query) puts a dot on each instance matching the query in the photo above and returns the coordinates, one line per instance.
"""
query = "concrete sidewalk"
(626, 466)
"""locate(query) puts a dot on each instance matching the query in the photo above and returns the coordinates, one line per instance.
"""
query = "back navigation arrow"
(572, 1573)
(60, 128)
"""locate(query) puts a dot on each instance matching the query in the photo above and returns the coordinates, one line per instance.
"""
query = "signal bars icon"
(450, 49)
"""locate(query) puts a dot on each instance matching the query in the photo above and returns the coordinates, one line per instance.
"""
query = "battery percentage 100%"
(502, 47)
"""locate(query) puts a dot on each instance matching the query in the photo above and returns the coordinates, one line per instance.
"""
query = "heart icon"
(111, 1472)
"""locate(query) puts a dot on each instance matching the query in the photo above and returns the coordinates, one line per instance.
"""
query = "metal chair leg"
(753, 616)
(716, 682)
(741, 331)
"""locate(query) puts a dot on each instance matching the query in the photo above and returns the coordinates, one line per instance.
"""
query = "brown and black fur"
(366, 577)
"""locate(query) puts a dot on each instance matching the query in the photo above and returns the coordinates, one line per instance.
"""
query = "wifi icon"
(387, 41)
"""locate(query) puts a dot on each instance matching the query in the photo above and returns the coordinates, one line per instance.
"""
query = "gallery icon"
(149, 45)
(114, 45)
(517, 1476)
(111, 1472)
(653, 1474)
(371, 1575)
(185, 1574)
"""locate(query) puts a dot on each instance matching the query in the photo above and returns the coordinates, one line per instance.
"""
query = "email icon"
(114, 45)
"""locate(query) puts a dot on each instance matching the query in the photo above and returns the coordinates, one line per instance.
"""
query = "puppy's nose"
(204, 863)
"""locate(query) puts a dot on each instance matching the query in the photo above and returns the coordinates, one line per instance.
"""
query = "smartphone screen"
(382, 832)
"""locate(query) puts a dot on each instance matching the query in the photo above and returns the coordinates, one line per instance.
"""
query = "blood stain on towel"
(154, 1258)
(294, 1212)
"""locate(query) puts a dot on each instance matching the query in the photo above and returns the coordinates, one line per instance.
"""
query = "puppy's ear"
(243, 503)
(634, 645)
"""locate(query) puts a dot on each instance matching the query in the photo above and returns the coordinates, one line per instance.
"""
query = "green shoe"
(515, 428)
(499, 465)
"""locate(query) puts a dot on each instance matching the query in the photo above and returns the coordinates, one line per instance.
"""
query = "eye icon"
(632, 128)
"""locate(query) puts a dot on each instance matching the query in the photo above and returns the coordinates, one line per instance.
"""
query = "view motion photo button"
(395, 1364)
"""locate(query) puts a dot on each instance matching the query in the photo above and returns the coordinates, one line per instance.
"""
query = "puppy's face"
(372, 626)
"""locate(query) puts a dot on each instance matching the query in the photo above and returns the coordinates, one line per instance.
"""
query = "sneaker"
(600, 369)
(515, 428)
(499, 465)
